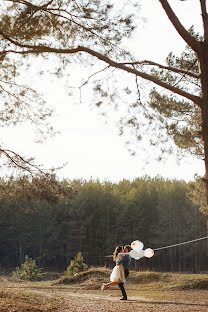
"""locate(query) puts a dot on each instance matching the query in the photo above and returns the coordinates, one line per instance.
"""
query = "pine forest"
(95, 217)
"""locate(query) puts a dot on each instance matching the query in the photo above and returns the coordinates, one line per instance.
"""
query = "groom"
(126, 260)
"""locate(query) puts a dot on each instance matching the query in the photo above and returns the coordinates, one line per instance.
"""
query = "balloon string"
(191, 241)
(165, 247)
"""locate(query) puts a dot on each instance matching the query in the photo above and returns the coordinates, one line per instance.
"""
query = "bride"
(117, 276)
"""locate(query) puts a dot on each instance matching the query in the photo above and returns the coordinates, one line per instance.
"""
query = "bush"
(29, 271)
(77, 265)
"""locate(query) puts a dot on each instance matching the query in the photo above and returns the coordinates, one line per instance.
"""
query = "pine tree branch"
(68, 16)
(173, 69)
(16, 43)
(34, 49)
(190, 40)
(30, 5)
(44, 49)
(19, 162)
(204, 19)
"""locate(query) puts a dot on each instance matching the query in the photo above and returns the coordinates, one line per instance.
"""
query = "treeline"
(97, 217)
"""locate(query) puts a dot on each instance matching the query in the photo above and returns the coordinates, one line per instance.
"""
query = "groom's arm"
(121, 261)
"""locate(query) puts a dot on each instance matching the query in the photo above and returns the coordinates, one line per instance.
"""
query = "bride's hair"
(116, 252)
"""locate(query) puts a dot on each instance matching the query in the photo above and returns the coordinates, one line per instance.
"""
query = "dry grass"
(170, 281)
(23, 300)
(94, 277)
(90, 279)
(190, 282)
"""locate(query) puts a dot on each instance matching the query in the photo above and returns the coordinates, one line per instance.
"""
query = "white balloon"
(136, 254)
(133, 253)
(149, 253)
(137, 245)
(140, 253)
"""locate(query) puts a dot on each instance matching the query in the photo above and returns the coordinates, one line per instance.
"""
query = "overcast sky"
(90, 147)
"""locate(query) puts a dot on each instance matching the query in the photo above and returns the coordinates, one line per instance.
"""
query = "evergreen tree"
(28, 271)
(77, 265)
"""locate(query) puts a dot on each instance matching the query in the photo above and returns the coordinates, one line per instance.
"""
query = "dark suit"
(126, 261)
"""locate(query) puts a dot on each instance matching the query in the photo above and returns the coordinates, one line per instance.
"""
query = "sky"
(92, 148)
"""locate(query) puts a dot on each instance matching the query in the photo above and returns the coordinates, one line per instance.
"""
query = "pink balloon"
(137, 245)
(149, 253)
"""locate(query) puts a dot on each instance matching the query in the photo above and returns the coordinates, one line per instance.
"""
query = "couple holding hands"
(121, 270)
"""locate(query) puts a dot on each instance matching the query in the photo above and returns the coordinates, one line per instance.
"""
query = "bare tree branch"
(191, 41)
(173, 69)
(19, 162)
(184, 75)
(204, 19)
(88, 79)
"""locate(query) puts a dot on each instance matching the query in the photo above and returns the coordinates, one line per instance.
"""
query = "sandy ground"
(109, 301)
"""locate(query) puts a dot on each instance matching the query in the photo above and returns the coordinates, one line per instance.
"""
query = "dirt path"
(147, 292)
(108, 301)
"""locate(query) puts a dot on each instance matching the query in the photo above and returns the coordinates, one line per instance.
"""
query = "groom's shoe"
(123, 298)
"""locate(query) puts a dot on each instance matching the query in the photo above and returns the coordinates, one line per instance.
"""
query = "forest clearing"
(104, 152)
(147, 291)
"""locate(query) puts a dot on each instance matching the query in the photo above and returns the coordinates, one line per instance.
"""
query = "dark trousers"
(121, 285)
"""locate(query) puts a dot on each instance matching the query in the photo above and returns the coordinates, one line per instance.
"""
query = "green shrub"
(77, 265)
(28, 271)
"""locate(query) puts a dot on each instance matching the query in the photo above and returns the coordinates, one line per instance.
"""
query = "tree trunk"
(203, 60)
(21, 252)
(40, 236)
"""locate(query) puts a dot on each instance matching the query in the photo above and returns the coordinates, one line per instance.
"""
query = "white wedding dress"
(117, 274)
